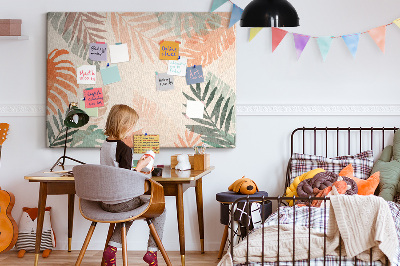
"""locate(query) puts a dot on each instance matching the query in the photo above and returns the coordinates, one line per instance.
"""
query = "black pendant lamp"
(269, 13)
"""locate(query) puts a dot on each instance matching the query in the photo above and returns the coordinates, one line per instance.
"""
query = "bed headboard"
(331, 142)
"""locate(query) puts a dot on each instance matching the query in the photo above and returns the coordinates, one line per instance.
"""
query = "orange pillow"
(365, 187)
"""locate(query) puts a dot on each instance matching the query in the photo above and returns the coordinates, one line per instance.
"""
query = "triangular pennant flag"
(324, 44)
(300, 42)
(236, 15)
(277, 36)
(379, 35)
(397, 22)
(253, 33)
(352, 42)
(217, 3)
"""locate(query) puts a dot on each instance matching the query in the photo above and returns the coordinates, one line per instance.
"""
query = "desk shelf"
(15, 38)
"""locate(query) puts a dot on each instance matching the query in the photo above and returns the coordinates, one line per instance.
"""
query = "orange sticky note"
(169, 50)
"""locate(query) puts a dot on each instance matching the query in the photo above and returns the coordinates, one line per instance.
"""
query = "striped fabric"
(26, 241)
(286, 216)
(302, 163)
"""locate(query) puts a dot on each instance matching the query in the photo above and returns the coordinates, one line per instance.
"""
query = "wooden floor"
(93, 258)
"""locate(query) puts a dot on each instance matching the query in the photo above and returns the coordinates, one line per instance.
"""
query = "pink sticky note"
(93, 97)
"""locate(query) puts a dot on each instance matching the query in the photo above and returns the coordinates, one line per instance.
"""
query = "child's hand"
(143, 161)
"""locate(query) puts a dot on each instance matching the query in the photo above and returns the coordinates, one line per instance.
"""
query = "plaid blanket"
(286, 216)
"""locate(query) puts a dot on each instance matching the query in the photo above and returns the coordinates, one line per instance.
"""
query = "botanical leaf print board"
(205, 40)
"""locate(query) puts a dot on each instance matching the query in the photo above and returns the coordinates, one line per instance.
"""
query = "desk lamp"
(269, 13)
(75, 118)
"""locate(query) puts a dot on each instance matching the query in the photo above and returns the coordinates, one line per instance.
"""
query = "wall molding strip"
(22, 110)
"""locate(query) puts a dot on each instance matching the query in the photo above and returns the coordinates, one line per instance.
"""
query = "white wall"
(262, 78)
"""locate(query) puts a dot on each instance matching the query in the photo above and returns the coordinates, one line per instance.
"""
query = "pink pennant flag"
(379, 35)
(300, 42)
(277, 36)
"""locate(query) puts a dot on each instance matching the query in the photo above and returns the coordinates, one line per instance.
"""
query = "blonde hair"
(120, 121)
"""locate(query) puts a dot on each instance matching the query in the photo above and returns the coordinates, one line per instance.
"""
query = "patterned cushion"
(362, 163)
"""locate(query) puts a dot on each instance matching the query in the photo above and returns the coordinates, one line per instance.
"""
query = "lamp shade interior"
(76, 118)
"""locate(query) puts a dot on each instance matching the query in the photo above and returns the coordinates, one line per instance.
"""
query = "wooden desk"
(175, 183)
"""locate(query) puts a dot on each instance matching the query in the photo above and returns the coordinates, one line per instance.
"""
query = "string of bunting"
(378, 34)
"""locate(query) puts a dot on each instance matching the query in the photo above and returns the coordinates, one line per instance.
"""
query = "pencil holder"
(201, 161)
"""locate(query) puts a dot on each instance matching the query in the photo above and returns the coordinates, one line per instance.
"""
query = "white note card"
(86, 74)
(194, 109)
(177, 67)
(119, 53)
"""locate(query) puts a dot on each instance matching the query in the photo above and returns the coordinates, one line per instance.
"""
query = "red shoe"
(109, 256)
(151, 258)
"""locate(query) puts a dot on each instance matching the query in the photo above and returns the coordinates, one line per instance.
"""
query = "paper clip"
(118, 43)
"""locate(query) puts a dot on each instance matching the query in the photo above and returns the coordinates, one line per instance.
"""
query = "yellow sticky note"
(143, 143)
(169, 50)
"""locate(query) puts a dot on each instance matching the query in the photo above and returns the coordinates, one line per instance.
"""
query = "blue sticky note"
(194, 74)
(110, 74)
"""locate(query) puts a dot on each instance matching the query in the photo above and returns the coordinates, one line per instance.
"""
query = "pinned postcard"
(93, 97)
(194, 109)
(169, 50)
(98, 51)
(194, 74)
(92, 112)
(177, 67)
(86, 74)
(164, 82)
(143, 143)
(110, 74)
(119, 53)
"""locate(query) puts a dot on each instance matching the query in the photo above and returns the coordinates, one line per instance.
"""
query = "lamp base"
(62, 164)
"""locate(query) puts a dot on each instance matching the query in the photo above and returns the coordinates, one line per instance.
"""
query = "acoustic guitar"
(8, 226)
(3, 135)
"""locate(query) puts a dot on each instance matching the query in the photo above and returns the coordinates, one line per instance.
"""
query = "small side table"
(226, 199)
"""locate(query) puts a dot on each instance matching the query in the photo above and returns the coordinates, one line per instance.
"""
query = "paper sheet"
(98, 51)
(86, 74)
(177, 67)
(143, 143)
(164, 82)
(92, 112)
(194, 109)
(169, 50)
(194, 74)
(93, 97)
(110, 74)
(119, 53)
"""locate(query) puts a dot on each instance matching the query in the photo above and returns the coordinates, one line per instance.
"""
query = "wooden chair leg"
(110, 232)
(160, 246)
(124, 248)
(223, 242)
(86, 243)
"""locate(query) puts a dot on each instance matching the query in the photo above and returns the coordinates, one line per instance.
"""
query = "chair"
(97, 183)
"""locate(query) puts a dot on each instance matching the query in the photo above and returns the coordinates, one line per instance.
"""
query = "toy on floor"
(27, 232)
(244, 186)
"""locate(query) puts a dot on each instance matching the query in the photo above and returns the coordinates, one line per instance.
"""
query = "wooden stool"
(226, 199)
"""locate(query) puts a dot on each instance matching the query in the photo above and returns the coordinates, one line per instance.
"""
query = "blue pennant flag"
(236, 15)
(352, 42)
(324, 44)
(217, 3)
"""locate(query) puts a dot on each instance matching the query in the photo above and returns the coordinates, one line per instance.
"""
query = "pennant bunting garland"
(300, 42)
(352, 42)
(277, 36)
(217, 3)
(397, 22)
(236, 15)
(324, 44)
(254, 32)
(379, 35)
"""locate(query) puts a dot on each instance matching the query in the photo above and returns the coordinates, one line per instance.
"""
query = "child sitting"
(117, 151)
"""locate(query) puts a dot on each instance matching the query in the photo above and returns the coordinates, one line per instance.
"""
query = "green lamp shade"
(76, 118)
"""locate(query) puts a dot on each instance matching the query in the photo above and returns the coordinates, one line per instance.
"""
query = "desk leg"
(40, 219)
(71, 201)
(181, 225)
(199, 201)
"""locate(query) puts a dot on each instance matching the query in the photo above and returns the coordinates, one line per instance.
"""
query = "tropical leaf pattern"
(190, 140)
(92, 135)
(57, 131)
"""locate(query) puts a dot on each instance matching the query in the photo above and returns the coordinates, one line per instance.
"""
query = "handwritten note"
(98, 51)
(119, 53)
(164, 82)
(194, 74)
(86, 74)
(92, 112)
(93, 97)
(110, 74)
(169, 50)
(143, 143)
(194, 109)
(177, 67)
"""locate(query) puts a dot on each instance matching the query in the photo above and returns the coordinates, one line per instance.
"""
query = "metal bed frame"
(316, 134)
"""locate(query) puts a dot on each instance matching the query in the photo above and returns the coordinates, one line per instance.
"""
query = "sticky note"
(86, 74)
(143, 143)
(92, 112)
(110, 74)
(177, 67)
(119, 53)
(93, 97)
(169, 50)
(164, 82)
(98, 51)
(194, 109)
(194, 74)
